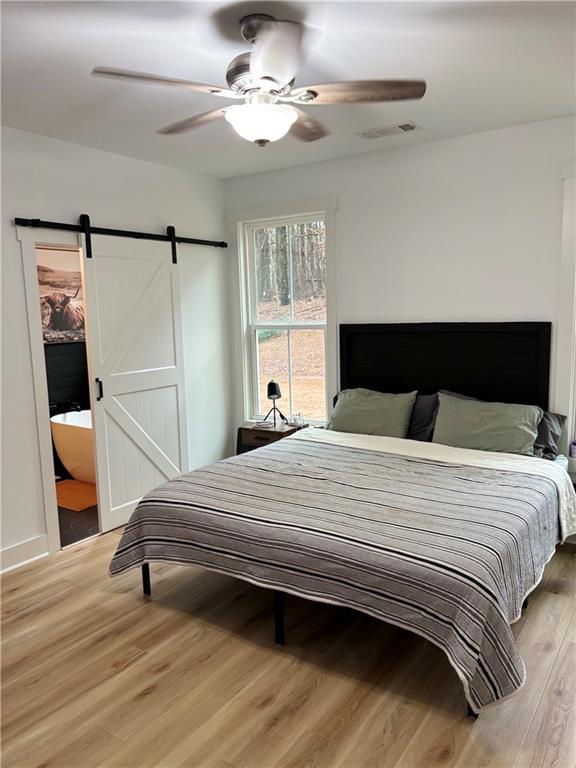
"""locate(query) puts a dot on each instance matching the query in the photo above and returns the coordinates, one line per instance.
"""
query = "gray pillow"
(549, 433)
(505, 427)
(366, 412)
(549, 429)
(429, 428)
(423, 418)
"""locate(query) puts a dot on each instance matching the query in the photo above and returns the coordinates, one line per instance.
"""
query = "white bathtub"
(72, 435)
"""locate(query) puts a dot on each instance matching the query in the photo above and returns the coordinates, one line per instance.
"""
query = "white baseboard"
(19, 554)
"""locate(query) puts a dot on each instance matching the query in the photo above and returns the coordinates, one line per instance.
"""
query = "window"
(286, 314)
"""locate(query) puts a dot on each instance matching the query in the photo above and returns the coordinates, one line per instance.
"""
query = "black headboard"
(503, 362)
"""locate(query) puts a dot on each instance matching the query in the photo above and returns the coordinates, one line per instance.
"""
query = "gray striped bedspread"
(445, 549)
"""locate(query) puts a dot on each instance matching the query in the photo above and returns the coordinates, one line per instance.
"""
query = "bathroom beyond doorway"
(62, 312)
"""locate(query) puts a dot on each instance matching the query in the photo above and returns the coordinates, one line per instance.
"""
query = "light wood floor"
(96, 675)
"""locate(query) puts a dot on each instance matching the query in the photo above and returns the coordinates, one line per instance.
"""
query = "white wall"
(57, 181)
(467, 229)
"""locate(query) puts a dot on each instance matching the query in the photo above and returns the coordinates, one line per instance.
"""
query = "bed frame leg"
(471, 713)
(146, 579)
(279, 631)
(525, 604)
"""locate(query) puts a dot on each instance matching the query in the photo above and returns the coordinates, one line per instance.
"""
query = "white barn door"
(137, 379)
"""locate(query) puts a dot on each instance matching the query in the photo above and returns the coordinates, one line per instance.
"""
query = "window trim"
(252, 312)
(565, 343)
(245, 405)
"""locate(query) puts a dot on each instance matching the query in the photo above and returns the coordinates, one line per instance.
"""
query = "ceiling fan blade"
(308, 129)
(143, 77)
(183, 126)
(276, 53)
(357, 91)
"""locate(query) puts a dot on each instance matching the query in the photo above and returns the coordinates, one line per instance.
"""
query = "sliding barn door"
(135, 352)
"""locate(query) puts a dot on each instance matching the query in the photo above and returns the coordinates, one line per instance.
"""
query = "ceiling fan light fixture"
(261, 123)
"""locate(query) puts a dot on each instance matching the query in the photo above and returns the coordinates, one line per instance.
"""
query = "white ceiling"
(487, 65)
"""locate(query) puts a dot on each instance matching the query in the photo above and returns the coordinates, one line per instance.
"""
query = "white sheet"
(471, 458)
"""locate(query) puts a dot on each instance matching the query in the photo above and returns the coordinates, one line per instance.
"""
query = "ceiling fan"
(264, 80)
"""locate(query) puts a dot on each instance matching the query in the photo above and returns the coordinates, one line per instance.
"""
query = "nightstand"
(251, 435)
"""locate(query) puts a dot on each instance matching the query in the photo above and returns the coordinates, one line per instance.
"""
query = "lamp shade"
(261, 122)
(273, 391)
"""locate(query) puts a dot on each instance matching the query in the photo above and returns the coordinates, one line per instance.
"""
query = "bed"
(444, 542)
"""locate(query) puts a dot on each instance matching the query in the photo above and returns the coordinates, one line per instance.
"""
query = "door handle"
(100, 386)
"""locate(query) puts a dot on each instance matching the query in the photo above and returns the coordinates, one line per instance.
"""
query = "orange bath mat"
(75, 495)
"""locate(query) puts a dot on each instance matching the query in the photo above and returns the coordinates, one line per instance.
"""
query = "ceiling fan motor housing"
(238, 73)
(239, 78)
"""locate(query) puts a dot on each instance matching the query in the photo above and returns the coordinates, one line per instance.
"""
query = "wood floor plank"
(551, 738)
(131, 690)
(560, 573)
(310, 751)
(97, 676)
(22, 712)
(571, 631)
(85, 748)
(499, 732)
(330, 687)
(422, 684)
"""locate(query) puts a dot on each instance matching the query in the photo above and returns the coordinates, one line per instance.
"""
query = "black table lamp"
(273, 393)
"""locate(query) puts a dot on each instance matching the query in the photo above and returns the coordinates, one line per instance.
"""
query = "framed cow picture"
(61, 295)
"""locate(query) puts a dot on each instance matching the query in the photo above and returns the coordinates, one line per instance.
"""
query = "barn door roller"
(85, 227)
(85, 224)
(171, 232)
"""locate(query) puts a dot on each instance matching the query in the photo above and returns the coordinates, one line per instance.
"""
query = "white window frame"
(252, 309)
(565, 332)
(244, 299)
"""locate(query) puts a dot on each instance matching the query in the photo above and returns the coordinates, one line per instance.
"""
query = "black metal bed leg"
(279, 631)
(146, 579)
(471, 713)
(525, 603)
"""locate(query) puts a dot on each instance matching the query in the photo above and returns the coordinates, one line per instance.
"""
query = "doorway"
(63, 324)
(134, 362)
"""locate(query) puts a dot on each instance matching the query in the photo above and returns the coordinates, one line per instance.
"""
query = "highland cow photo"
(61, 296)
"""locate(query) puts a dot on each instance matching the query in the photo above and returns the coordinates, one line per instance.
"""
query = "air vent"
(389, 130)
